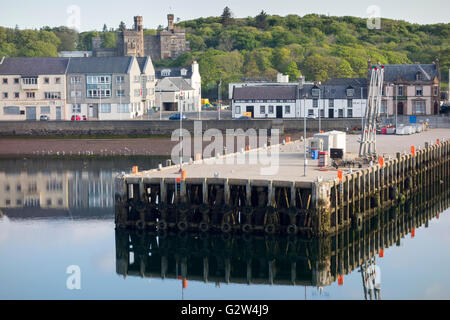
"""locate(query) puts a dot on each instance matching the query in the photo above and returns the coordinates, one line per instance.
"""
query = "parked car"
(176, 116)
(75, 117)
(445, 108)
(44, 118)
(243, 118)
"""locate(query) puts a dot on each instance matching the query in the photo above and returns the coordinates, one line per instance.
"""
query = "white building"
(191, 77)
(337, 98)
(173, 93)
(33, 87)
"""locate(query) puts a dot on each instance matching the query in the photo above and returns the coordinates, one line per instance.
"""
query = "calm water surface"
(58, 213)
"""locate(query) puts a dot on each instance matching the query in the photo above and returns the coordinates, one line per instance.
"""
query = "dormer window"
(315, 92)
(350, 92)
(419, 76)
(183, 72)
(165, 72)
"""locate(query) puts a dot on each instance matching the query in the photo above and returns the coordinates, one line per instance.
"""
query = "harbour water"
(60, 213)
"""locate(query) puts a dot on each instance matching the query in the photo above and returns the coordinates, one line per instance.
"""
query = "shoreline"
(94, 147)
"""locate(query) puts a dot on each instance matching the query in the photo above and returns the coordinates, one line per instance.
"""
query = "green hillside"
(232, 49)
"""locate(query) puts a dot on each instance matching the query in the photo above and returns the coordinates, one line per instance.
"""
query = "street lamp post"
(304, 134)
(318, 102)
(160, 104)
(396, 107)
(181, 128)
(218, 95)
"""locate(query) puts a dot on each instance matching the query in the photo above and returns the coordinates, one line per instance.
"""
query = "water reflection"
(38, 188)
(275, 260)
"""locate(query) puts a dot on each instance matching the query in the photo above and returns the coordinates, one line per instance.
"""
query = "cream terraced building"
(33, 87)
(109, 88)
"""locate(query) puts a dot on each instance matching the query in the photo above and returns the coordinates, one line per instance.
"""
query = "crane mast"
(367, 148)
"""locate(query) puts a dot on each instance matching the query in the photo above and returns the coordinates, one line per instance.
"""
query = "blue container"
(412, 119)
(315, 154)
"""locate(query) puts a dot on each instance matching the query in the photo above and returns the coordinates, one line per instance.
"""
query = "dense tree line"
(318, 47)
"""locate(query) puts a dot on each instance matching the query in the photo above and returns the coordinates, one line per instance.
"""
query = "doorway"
(330, 113)
(436, 108)
(58, 113)
(31, 113)
(251, 110)
(279, 112)
(400, 108)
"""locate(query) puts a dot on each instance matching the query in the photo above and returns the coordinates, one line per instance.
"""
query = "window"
(52, 95)
(45, 110)
(19, 188)
(5, 81)
(310, 112)
(32, 187)
(383, 91)
(237, 109)
(120, 79)
(75, 79)
(46, 80)
(419, 107)
(76, 108)
(16, 95)
(96, 93)
(383, 107)
(349, 103)
(19, 202)
(98, 79)
(58, 80)
(165, 72)
(315, 103)
(105, 108)
(419, 76)
(350, 113)
(136, 79)
(123, 107)
(11, 110)
(270, 109)
(315, 92)
(341, 113)
(120, 93)
(331, 103)
(419, 91)
(54, 185)
(435, 91)
(287, 109)
(350, 92)
(31, 95)
(60, 201)
(16, 80)
(49, 202)
(29, 80)
(5, 95)
(8, 202)
(75, 94)
(137, 92)
(400, 91)
(262, 109)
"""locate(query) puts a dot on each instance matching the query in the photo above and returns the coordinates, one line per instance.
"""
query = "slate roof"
(142, 62)
(174, 72)
(407, 72)
(288, 92)
(346, 81)
(99, 65)
(333, 91)
(33, 66)
(173, 84)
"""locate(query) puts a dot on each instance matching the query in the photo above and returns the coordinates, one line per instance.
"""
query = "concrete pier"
(234, 193)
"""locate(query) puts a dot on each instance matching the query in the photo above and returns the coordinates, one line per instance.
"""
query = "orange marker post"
(341, 279)
(381, 161)
(413, 150)
(413, 232)
(340, 175)
(184, 284)
(437, 141)
(183, 175)
(135, 169)
(247, 148)
(381, 253)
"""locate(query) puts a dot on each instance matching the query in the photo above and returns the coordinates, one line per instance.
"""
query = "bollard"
(135, 169)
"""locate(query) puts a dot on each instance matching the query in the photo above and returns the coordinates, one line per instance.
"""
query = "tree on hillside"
(105, 28)
(293, 72)
(122, 26)
(226, 17)
(261, 20)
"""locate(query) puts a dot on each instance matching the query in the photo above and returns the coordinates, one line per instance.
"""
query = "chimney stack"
(170, 18)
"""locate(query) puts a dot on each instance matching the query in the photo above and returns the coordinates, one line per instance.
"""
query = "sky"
(87, 15)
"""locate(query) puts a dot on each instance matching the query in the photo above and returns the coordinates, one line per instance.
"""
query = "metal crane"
(367, 148)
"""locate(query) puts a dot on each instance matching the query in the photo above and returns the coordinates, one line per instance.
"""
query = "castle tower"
(170, 18)
(138, 24)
